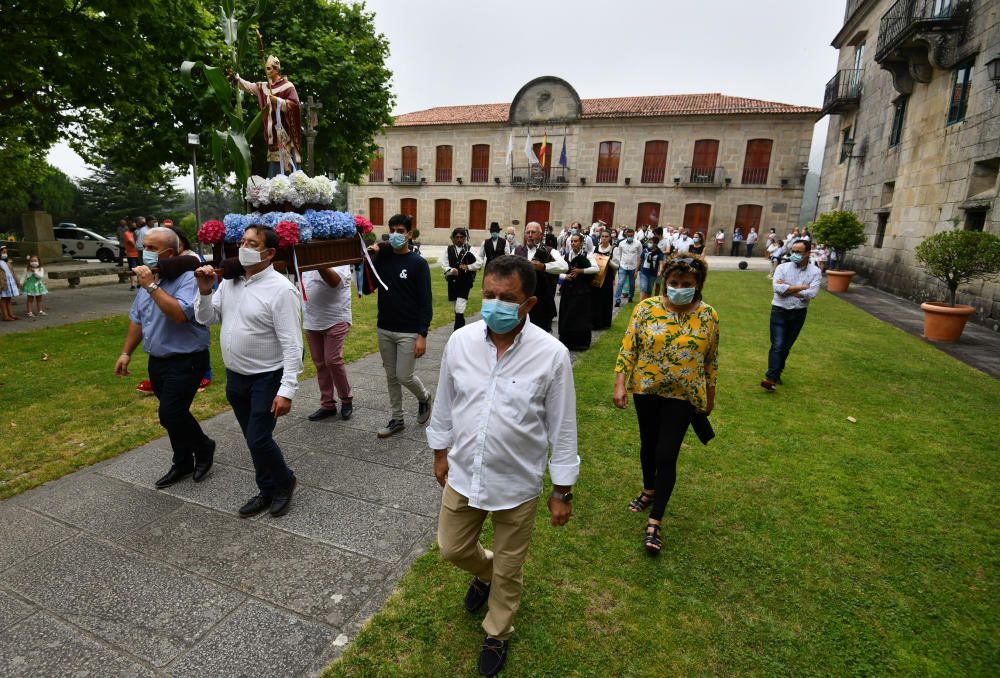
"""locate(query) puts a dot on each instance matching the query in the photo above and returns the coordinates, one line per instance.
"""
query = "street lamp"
(847, 148)
(194, 143)
(993, 71)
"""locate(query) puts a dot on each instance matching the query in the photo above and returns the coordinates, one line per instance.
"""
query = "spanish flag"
(541, 151)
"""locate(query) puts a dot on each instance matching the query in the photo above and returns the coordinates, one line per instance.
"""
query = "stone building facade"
(707, 160)
(913, 99)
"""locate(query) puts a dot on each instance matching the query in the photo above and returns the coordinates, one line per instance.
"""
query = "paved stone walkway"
(101, 574)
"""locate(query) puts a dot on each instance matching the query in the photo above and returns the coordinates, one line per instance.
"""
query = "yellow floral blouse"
(674, 355)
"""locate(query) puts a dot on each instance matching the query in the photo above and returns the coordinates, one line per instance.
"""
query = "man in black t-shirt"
(404, 316)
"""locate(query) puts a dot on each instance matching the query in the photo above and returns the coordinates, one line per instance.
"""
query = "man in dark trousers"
(460, 264)
(163, 319)
(494, 246)
(547, 266)
(404, 316)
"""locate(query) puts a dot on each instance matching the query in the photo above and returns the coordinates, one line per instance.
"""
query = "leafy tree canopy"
(840, 230)
(958, 257)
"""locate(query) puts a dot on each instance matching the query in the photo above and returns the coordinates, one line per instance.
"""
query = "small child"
(33, 285)
(8, 287)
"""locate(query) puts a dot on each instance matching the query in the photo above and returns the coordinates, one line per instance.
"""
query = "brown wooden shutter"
(377, 170)
(654, 162)
(376, 211)
(648, 214)
(477, 214)
(604, 211)
(747, 217)
(757, 161)
(480, 163)
(537, 210)
(696, 216)
(706, 153)
(442, 164)
(409, 168)
(408, 206)
(608, 157)
(442, 213)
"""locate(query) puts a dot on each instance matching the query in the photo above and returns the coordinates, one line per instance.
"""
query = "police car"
(81, 243)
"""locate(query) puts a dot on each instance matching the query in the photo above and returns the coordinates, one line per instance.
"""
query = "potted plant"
(955, 258)
(841, 232)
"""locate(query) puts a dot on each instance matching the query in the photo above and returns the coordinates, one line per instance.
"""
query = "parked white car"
(81, 243)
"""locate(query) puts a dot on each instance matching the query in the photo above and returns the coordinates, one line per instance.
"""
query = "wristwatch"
(561, 496)
(152, 287)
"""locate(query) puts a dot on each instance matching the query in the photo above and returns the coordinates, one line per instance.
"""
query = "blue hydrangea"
(235, 225)
(271, 219)
(321, 222)
(343, 222)
(305, 230)
(255, 219)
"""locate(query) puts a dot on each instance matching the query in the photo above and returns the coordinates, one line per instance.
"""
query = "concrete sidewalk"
(979, 347)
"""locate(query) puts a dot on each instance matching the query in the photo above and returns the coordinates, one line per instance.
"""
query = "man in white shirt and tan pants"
(496, 370)
(261, 341)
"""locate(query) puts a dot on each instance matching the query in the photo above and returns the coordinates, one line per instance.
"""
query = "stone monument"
(39, 238)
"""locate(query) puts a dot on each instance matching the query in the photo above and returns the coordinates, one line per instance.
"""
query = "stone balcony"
(917, 36)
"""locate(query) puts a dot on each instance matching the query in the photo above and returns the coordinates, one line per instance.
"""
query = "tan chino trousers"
(459, 527)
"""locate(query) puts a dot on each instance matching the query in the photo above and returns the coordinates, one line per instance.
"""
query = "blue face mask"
(796, 258)
(397, 240)
(575, 231)
(630, 240)
(500, 316)
(495, 235)
(681, 296)
(150, 258)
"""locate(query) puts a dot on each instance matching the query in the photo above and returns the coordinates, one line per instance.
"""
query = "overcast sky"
(447, 52)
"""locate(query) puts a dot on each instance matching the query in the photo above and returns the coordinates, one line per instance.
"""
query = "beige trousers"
(459, 527)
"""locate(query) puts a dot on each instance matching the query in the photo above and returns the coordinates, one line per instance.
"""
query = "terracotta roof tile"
(617, 107)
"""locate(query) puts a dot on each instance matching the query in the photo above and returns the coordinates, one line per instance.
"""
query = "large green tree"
(113, 193)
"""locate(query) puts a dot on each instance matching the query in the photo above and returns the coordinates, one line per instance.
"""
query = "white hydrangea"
(280, 190)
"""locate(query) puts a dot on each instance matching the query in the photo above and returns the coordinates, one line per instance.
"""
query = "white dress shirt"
(326, 306)
(474, 266)
(499, 418)
(554, 267)
(682, 244)
(629, 254)
(790, 274)
(261, 330)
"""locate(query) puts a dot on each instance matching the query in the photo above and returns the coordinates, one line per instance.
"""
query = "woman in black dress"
(602, 298)
(575, 317)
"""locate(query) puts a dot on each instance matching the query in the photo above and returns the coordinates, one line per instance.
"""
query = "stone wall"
(927, 182)
(791, 135)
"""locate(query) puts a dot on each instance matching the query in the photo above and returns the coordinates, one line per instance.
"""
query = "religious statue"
(282, 128)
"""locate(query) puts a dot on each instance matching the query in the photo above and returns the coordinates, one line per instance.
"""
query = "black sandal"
(640, 503)
(652, 539)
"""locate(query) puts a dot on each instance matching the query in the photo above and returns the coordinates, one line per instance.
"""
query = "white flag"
(510, 150)
(529, 152)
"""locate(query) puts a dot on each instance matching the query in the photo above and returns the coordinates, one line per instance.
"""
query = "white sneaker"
(42, 313)
(30, 314)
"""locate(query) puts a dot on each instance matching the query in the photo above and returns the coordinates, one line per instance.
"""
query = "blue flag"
(562, 155)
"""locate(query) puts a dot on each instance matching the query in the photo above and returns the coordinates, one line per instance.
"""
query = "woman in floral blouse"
(668, 360)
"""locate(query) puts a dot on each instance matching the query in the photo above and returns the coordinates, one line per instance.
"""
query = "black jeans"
(785, 327)
(662, 425)
(175, 381)
(251, 397)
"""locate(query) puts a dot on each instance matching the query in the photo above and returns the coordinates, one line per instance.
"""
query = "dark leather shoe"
(203, 464)
(493, 656)
(346, 410)
(283, 500)
(256, 505)
(322, 413)
(477, 595)
(174, 475)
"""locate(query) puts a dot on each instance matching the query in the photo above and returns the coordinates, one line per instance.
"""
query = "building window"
(408, 206)
(654, 162)
(377, 170)
(961, 82)
(898, 116)
(408, 174)
(480, 163)
(608, 157)
(757, 161)
(376, 211)
(883, 221)
(537, 148)
(537, 210)
(442, 213)
(442, 164)
(706, 154)
(845, 136)
(747, 217)
(604, 211)
(696, 216)
(648, 214)
(975, 220)
(477, 214)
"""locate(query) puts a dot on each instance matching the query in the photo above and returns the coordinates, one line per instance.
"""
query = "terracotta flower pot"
(838, 281)
(943, 322)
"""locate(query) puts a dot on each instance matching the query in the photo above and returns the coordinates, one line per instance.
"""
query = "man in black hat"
(460, 265)
(494, 246)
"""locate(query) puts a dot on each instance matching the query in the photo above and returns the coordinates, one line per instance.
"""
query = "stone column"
(39, 238)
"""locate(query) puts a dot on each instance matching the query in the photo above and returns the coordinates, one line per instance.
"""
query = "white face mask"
(249, 257)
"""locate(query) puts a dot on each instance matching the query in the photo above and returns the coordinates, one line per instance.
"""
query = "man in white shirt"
(682, 241)
(494, 371)
(629, 250)
(327, 320)
(796, 283)
(261, 343)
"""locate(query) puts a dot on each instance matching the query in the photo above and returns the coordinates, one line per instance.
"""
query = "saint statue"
(282, 128)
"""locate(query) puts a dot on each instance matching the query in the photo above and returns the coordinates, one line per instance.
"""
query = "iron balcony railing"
(442, 175)
(479, 175)
(755, 175)
(908, 16)
(376, 175)
(407, 176)
(535, 177)
(607, 175)
(843, 92)
(852, 6)
(653, 175)
(704, 175)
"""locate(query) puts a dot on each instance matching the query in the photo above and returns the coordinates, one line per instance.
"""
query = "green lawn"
(797, 543)
(63, 408)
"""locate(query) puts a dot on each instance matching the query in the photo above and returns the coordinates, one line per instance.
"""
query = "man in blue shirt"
(162, 318)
